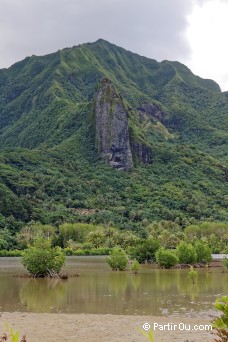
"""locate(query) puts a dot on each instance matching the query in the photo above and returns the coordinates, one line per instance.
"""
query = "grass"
(11, 335)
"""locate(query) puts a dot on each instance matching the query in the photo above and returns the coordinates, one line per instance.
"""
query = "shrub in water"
(192, 274)
(135, 266)
(145, 251)
(186, 253)
(41, 259)
(203, 252)
(118, 259)
(225, 262)
(166, 258)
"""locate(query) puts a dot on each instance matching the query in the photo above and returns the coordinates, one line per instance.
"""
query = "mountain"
(72, 120)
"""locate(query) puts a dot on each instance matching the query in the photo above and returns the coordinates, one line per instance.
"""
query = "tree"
(41, 259)
(97, 238)
(7, 240)
(75, 231)
(118, 259)
(168, 239)
(32, 231)
(111, 236)
(3, 244)
(145, 251)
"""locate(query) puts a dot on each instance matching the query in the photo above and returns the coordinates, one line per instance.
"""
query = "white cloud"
(156, 29)
(207, 36)
(149, 27)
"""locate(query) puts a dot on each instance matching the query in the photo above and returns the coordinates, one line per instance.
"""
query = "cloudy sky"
(193, 32)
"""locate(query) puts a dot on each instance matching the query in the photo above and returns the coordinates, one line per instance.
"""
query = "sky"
(190, 31)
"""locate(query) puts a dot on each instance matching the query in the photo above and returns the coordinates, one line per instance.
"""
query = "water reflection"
(98, 290)
(42, 295)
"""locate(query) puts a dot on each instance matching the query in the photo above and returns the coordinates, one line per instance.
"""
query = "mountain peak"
(64, 114)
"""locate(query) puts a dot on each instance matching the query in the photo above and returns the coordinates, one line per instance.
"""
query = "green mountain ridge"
(50, 168)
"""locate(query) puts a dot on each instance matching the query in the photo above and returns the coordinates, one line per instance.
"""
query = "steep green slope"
(50, 169)
(44, 94)
(59, 184)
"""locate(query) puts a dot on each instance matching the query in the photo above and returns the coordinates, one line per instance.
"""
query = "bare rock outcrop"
(143, 152)
(154, 110)
(112, 134)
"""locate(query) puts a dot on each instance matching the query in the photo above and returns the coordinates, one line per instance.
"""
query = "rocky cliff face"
(154, 111)
(143, 152)
(112, 134)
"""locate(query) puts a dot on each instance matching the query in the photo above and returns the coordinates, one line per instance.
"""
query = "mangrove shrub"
(118, 259)
(186, 253)
(41, 259)
(166, 258)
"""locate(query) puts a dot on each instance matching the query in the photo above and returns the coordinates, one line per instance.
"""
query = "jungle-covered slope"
(51, 171)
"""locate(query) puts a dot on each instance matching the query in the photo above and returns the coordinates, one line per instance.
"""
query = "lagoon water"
(98, 290)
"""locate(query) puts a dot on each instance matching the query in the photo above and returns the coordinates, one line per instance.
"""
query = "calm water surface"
(99, 290)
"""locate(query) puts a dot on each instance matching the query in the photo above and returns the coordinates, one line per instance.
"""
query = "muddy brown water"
(98, 290)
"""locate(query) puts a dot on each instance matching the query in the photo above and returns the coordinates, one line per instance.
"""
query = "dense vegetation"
(166, 242)
(50, 171)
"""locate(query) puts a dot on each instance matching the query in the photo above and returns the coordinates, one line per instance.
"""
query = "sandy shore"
(101, 328)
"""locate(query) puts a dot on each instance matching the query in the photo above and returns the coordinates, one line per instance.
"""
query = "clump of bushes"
(118, 259)
(41, 259)
(144, 251)
(13, 253)
(186, 253)
(225, 262)
(166, 258)
(203, 252)
(92, 251)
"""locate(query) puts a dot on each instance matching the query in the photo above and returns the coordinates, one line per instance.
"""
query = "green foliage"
(186, 253)
(68, 251)
(41, 259)
(214, 234)
(7, 240)
(51, 172)
(3, 244)
(149, 334)
(220, 324)
(97, 238)
(225, 262)
(12, 253)
(75, 231)
(91, 251)
(12, 334)
(203, 252)
(144, 251)
(135, 266)
(166, 258)
(192, 274)
(32, 231)
(118, 259)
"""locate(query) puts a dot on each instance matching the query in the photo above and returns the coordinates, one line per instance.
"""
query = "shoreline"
(52, 327)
